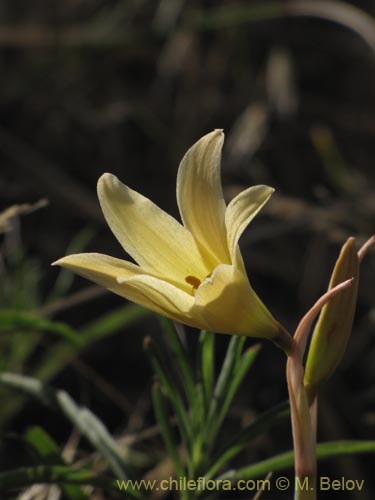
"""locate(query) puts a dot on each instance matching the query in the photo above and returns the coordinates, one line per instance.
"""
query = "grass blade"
(222, 385)
(60, 474)
(94, 431)
(88, 424)
(30, 386)
(58, 356)
(170, 390)
(239, 372)
(179, 357)
(262, 424)
(26, 476)
(206, 359)
(165, 429)
(11, 321)
(49, 453)
(325, 451)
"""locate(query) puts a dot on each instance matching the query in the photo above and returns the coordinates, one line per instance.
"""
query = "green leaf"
(60, 474)
(58, 356)
(94, 431)
(169, 388)
(262, 424)
(206, 358)
(325, 451)
(222, 386)
(179, 357)
(25, 476)
(49, 453)
(11, 321)
(112, 322)
(47, 449)
(166, 430)
(197, 412)
(30, 386)
(88, 424)
(239, 372)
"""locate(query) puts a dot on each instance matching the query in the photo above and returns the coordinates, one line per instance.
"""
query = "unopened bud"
(333, 328)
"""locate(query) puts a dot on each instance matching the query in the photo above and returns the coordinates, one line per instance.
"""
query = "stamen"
(192, 280)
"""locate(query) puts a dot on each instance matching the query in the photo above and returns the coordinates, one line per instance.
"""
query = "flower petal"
(102, 269)
(228, 304)
(200, 196)
(156, 241)
(131, 282)
(241, 211)
(164, 298)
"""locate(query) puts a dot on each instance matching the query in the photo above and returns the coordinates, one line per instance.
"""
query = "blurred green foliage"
(127, 87)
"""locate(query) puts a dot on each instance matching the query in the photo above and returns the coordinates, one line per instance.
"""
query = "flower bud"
(333, 328)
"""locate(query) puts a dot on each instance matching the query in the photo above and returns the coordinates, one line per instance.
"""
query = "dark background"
(126, 87)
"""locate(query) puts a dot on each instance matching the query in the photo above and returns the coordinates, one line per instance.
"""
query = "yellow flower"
(191, 272)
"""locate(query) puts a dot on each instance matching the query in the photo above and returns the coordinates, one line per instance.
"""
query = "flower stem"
(283, 340)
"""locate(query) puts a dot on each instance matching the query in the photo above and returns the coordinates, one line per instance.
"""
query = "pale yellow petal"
(131, 282)
(241, 211)
(228, 304)
(102, 269)
(200, 196)
(164, 298)
(155, 240)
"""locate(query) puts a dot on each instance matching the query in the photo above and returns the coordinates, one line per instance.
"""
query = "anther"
(192, 280)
